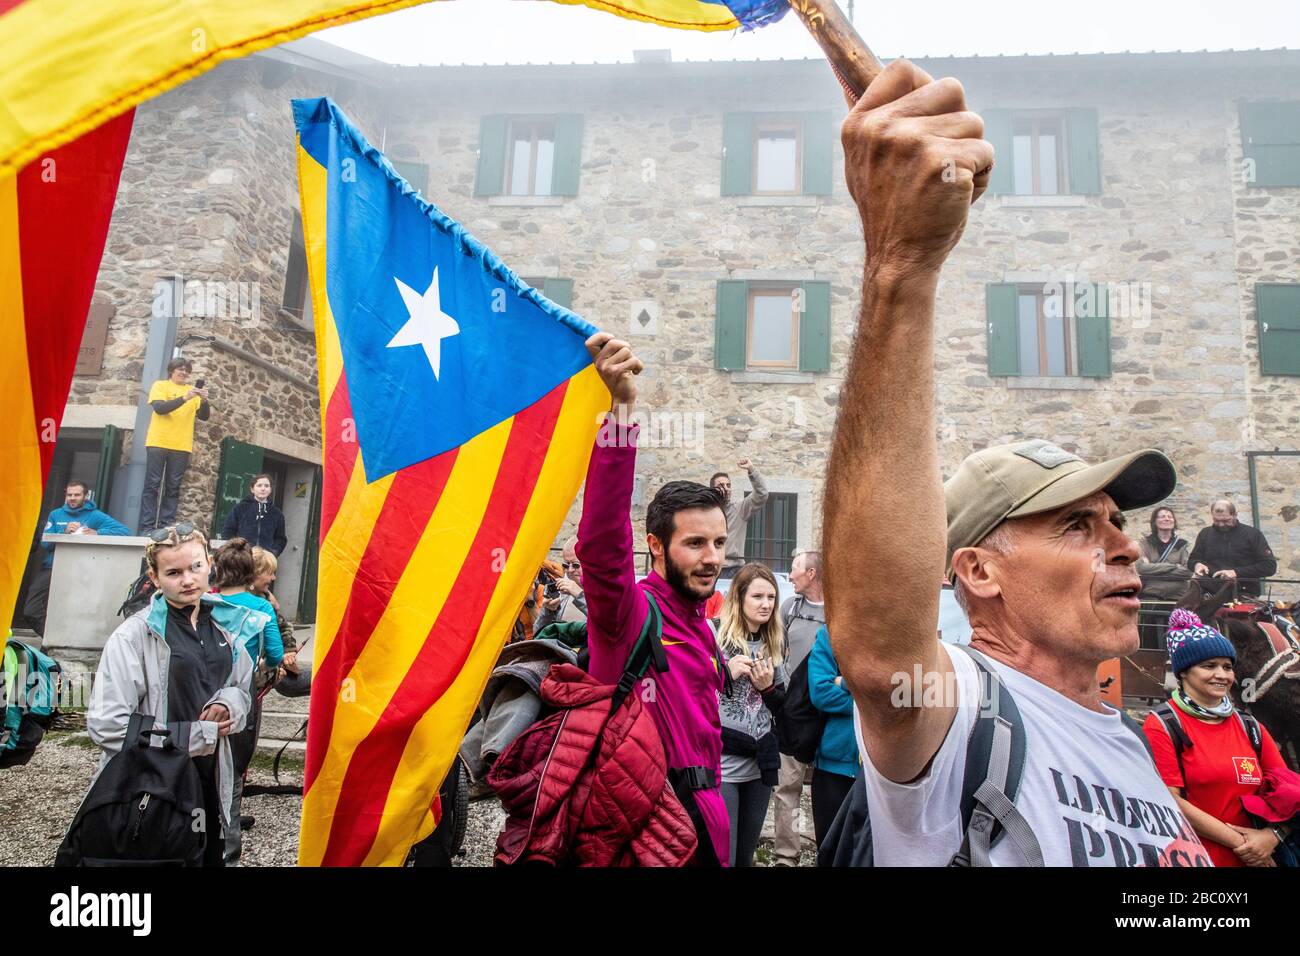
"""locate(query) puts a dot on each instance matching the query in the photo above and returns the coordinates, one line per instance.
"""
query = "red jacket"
(619, 811)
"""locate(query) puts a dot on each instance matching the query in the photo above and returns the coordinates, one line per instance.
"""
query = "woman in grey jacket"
(181, 658)
(753, 639)
(1163, 564)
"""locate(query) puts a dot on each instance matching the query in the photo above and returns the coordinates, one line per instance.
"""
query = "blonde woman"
(750, 635)
(295, 676)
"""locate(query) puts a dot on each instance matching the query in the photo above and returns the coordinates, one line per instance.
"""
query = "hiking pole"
(851, 60)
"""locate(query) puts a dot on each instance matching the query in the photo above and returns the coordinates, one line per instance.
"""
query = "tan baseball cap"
(1030, 477)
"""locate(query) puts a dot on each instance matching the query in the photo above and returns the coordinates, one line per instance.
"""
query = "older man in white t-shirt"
(1033, 537)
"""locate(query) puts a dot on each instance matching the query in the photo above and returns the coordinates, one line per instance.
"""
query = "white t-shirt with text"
(1090, 791)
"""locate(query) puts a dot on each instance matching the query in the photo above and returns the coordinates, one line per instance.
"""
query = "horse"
(1268, 684)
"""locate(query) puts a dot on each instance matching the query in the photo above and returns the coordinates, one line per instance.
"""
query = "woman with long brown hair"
(753, 639)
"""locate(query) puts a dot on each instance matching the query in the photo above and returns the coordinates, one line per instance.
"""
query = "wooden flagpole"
(854, 64)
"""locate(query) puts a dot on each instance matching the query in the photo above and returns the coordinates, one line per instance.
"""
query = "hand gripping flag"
(54, 218)
(458, 411)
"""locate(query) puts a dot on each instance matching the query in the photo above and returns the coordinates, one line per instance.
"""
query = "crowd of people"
(1001, 752)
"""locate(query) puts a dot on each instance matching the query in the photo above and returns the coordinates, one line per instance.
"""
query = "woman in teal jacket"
(837, 755)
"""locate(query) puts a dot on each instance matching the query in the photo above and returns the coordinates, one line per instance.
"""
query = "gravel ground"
(38, 801)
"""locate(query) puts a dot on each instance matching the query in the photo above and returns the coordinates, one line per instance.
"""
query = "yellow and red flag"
(70, 65)
(458, 411)
(54, 218)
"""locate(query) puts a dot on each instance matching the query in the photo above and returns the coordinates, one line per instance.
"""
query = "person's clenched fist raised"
(915, 159)
(616, 365)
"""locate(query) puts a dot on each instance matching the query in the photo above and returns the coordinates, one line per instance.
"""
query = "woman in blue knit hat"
(1209, 754)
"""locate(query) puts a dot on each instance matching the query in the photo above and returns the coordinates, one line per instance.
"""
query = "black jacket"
(262, 524)
(1240, 548)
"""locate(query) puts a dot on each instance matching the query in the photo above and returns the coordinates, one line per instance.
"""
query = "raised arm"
(912, 155)
(758, 497)
(605, 531)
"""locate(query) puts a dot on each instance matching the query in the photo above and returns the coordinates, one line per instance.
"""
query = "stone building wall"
(208, 191)
(1170, 217)
(209, 188)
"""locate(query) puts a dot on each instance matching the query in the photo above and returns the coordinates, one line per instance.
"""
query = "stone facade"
(209, 189)
(208, 192)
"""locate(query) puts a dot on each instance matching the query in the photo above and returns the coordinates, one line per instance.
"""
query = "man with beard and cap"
(1230, 549)
(1033, 537)
(686, 532)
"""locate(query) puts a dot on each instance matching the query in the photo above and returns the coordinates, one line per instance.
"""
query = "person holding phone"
(563, 599)
(169, 442)
(753, 639)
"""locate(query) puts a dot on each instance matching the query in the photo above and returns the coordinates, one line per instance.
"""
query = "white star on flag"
(428, 324)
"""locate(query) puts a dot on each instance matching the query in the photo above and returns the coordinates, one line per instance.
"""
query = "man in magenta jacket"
(687, 536)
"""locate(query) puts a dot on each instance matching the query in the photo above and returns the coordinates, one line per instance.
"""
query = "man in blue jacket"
(77, 516)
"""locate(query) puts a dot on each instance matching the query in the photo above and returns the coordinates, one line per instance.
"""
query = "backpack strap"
(1166, 714)
(1253, 733)
(1138, 732)
(646, 652)
(995, 765)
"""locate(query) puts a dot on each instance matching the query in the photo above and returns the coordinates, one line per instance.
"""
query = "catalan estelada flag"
(695, 14)
(70, 65)
(458, 412)
(54, 218)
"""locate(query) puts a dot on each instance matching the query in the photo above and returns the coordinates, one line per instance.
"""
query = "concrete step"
(280, 725)
(272, 745)
(277, 702)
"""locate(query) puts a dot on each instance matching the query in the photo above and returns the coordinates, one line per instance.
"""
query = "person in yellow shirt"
(169, 442)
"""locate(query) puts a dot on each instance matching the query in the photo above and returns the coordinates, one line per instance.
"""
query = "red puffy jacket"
(564, 810)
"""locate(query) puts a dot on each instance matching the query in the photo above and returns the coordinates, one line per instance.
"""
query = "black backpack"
(145, 808)
(1166, 714)
(988, 790)
(799, 725)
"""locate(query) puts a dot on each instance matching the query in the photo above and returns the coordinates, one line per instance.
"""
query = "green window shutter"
(1092, 326)
(1270, 139)
(239, 463)
(1001, 306)
(997, 130)
(1085, 162)
(815, 328)
(1278, 309)
(110, 453)
(818, 153)
(417, 174)
(559, 291)
(568, 154)
(491, 156)
(737, 154)
(729, 329)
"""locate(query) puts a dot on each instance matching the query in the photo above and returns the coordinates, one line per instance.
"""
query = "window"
(1044, 335)
(776, 159)
(772, 532)
(530, 157)
(787, 154)
(559, 291)
(417, 174)
(1048, 330)
(1270, 142)
(1044, 153)
(1038, 157)
(295, 273)
(773, 332)
(1277, 306)
(773, 326)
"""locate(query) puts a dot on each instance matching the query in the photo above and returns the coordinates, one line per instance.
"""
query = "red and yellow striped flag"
(459, 409)
(53, 222)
